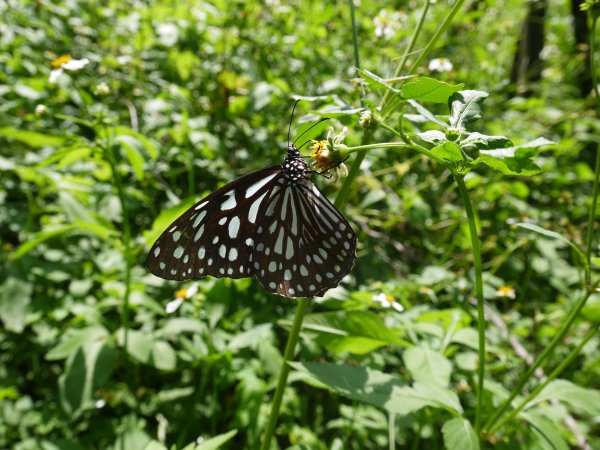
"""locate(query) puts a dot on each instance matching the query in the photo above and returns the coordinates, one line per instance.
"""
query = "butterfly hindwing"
(215, 236)
(305, 246)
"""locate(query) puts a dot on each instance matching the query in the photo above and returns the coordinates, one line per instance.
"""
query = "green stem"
(564, 329)
(360, 148)
(283, 373)
(479, 294)
(407, 52)
(493, 424)
(112, 160)
(591, 219)
(412, 145)
(443, 27)
(354, 35)
(555, 373)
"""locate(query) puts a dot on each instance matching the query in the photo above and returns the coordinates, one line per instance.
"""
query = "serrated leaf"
(376, 81)
(458, 434)
(32, 138)
(485, 142)
(380, 389)
(435, 137)
(448, 151)
(430, 90)
(428, 366)
(465, 108)
(509, 166)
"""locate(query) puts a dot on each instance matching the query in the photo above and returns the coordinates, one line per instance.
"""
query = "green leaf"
(380, 389)
(580, 399)
(427, 365)
(305, 133)
(376, 81)
(549, 434)
(132, 152)
(86, 370)
(120, 132)
(163, 356)
(513, 160)
(251, 337)
(155, 445)
(178, 325)
(551, 235)
(428, 115)
(358, 332)
(449, 151)
(434, 137)
(430, 90)
(139, 344)
(466, 108)
(14, 302)
(74, 339)
(484, 141)
(32, 138)
(458, 434)
(217, 441)
(37, 238)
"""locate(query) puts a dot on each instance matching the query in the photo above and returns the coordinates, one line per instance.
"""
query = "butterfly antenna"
(314, 125)
(291, 119)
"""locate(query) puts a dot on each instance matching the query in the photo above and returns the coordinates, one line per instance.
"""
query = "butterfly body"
(272, 224)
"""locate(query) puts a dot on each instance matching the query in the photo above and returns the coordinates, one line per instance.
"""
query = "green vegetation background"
(180, 98)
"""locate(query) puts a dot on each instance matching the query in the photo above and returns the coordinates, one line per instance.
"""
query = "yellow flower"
(58, 62)
(330, 153)
(507, 292)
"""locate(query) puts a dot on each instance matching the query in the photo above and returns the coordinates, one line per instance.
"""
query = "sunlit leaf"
(458, 434)
(429, 90)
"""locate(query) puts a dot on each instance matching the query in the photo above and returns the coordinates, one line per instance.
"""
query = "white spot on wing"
(256, 186)
(198, 219)
(156, 252)
(230, 202)
(199, 233)
(234, 227)
(289, 249)
(254, 208)
(279, 243)
(178, 252)
(233, 254)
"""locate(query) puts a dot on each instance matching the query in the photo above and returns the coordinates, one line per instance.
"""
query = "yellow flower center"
(58, 62)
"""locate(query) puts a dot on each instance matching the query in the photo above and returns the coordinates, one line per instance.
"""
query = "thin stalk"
(354, 35)
(479, 294)
(110, 156)
(555, 373)
(284, 372)
(443, 27)
(412, 145)
(392, 431)
(590, 231)
(564, 329)
(493, 424)
(360, 148)
(408, 51)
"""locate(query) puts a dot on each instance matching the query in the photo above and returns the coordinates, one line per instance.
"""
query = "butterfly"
(272, 224)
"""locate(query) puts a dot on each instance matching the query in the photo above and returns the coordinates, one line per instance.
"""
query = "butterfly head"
(294, 167)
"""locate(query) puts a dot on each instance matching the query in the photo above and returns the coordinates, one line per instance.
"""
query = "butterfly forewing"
(214, 237)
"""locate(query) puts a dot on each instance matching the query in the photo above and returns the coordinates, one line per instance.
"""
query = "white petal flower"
(180, 297)
(387, 301)
(440, 65)
(54, 75)
(75, 64)
(173, 305)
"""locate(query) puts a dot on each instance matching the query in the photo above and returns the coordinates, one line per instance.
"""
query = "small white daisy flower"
(387, 301)
(180, 296)
(440, 65)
